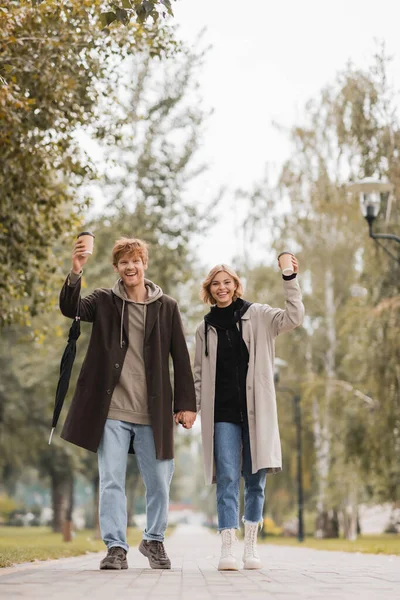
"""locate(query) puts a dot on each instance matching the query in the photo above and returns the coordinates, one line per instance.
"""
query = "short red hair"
(131, 247)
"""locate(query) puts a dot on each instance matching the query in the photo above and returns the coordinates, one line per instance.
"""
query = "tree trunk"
(326, 520)
(350, 515)
(60, 490)
(67, 526)
(96, 494)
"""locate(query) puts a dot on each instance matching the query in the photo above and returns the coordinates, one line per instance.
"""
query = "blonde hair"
(132, 247)
(205, 293)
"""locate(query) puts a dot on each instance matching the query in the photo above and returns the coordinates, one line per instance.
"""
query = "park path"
(289, 574)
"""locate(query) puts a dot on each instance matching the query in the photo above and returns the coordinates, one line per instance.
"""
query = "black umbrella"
(65, 371)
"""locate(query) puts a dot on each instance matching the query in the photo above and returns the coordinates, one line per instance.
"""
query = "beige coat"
(261, 324)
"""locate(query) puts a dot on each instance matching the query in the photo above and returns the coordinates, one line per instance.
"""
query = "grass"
(369, 544)
(28, 544)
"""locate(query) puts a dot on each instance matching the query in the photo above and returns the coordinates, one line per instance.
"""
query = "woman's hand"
(295, 263)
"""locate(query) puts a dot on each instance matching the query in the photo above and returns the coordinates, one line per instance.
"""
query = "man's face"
(131, 270)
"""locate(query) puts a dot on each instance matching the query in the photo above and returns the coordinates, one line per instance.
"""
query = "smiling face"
(131, 269)
(222, 289)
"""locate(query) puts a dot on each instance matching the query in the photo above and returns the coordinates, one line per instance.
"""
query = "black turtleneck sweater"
(232, 363)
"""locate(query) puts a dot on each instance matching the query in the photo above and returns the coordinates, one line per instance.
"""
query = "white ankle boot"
(227, 562)
(251, 558)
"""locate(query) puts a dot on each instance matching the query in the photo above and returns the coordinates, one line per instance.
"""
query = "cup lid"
(85, 233)
(286, 252)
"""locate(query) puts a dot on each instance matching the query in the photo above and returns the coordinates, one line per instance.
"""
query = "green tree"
(55, 64)
(126, 10)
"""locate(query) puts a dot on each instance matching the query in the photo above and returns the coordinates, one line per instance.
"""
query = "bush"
(271, 528)
(8, 506)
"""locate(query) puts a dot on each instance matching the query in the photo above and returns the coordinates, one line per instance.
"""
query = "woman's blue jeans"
(156, 475)
(232, 453)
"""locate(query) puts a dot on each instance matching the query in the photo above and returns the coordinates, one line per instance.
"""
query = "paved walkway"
(289, 574)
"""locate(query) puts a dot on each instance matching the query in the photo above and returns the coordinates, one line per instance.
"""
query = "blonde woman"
(234, 380)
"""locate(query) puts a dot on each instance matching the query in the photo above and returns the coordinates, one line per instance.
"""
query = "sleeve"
(281, 320)
(184, 396)
(73, 278)
(197, 368)
(70, 298)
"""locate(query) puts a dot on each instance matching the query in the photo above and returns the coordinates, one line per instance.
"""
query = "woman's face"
(222, 289)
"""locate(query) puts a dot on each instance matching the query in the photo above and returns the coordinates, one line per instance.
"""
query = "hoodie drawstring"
(122, 323)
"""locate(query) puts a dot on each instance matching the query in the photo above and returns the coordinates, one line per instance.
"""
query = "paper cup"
(285, 263)
(88, 239)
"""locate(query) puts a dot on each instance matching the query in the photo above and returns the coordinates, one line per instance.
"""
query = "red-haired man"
(123, 400)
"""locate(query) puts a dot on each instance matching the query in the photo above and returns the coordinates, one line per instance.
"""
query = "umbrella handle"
(51, 434)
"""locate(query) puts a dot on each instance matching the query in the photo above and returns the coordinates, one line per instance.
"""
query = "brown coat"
(102, 367)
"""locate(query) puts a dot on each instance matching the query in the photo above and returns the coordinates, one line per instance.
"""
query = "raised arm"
(70, 295)
(282, 320)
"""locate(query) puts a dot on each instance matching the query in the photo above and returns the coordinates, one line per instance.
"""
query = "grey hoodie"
(129, 400)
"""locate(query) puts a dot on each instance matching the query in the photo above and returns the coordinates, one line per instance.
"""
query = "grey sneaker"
(115, 559)
(156, 554)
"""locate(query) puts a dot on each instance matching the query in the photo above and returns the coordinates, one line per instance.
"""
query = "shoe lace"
(251, 541)
(160, 550)
(116, 551)
(228, 542)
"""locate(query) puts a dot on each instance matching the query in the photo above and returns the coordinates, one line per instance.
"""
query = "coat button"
(116, 365)
(108, 391)
(249, 387)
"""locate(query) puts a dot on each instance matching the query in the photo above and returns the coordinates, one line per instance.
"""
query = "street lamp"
(370, 191)
(297, 418)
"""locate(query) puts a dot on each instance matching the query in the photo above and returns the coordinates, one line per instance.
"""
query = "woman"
(234, 380)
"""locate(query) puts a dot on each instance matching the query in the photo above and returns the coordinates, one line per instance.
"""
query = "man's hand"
(186, 418)
(78, 259)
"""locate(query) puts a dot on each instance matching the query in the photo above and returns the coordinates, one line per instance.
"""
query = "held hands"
(186, 418)
(78, 259)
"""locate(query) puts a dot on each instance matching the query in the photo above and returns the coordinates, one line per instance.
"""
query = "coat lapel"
(153, 310)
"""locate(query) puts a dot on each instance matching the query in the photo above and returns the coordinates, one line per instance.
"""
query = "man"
(123, 400)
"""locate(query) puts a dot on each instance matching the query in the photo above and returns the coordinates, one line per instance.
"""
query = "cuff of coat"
(289, 277)
(73, 278)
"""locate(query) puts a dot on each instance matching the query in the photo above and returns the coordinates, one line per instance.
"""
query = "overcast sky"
(263, 67)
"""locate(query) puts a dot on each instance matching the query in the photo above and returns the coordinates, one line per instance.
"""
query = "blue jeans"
(231, 451)
(156, 475)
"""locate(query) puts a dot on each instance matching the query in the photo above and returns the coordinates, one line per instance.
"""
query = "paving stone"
(289, 574)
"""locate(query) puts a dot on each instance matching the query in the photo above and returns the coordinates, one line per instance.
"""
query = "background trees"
(82, 89)
(347, 369)
(55, 65)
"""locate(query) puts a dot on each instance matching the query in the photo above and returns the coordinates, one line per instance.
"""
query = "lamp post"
(299, 450)
(370, 191)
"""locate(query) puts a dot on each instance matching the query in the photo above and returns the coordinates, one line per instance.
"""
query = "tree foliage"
(55, 64)
(125, 11)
